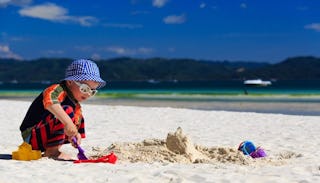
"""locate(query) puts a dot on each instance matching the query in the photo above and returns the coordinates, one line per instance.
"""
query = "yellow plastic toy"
(26, 153)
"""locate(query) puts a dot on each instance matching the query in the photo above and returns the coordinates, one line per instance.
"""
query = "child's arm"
(52, 97)
(69, 128)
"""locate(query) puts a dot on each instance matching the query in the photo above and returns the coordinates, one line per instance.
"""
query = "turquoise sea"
(230, 87)
(286, 97)
(233, 87)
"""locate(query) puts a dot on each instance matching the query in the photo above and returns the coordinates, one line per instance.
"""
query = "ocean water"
(232, 87)
(284, 97)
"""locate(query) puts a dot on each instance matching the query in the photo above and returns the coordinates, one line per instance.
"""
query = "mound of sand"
(177, 148)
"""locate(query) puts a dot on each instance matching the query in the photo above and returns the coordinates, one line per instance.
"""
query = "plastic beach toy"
(26, 153)
(247, 147)
(258, 153)
(81, 155)
(110, 158)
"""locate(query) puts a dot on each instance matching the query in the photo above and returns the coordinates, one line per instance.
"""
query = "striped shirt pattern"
(45, 129)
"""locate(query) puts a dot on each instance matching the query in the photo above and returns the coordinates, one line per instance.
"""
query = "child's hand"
(78, 137)
(70, 130)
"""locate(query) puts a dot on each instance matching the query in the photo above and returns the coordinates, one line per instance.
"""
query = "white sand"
(292, 144)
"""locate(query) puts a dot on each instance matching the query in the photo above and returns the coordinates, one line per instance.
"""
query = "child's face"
(75, 89)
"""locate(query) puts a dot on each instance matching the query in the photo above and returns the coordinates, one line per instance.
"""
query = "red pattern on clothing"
(50, 131)
(55, 94)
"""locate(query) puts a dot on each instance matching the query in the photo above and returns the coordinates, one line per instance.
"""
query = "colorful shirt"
(56, 93)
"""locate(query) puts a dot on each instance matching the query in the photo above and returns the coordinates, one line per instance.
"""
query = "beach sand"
(145, 141)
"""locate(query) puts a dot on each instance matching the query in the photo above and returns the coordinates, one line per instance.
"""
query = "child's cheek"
(76, 94)
(79, 96)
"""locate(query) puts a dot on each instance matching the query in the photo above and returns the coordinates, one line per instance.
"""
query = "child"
(55, 116)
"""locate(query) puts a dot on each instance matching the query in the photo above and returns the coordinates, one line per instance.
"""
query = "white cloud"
(54, 13)
(4, 49)
(5, 3)
(243, 5)
(95, 56)
(203, 5)
(144, 50)
(118, 50)
(313, 26)
(86, 21)
(5, 52)
(159, 3)
(174, 19)
(47, 11)
(126, 26)
(126, 51)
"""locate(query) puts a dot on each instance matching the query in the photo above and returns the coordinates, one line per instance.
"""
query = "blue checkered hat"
(84, 70)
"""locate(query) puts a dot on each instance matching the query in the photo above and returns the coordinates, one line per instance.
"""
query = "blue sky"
(234, 30)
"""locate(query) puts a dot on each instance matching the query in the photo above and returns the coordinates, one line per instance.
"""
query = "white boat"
(152, 81)
(257, 82)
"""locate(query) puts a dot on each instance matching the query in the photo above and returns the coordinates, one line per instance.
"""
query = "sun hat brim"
(101, 82)
(84, 70)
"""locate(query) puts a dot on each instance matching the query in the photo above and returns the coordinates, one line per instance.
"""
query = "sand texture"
(159, 144)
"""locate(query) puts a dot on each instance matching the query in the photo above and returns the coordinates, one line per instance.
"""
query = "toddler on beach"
(55, 116)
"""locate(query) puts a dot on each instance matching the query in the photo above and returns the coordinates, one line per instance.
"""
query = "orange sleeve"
(53, 94)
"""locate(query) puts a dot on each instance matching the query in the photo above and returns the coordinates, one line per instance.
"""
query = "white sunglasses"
(84, 88)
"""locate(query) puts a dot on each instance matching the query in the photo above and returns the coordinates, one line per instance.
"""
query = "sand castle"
(176, 148)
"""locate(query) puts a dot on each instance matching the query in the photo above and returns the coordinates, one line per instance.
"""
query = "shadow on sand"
(5, 156)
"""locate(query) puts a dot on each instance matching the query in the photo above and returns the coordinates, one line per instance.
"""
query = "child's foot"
(54, 153)
(64, 156)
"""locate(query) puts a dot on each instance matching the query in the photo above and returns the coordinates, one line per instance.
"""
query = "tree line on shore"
(162, 69)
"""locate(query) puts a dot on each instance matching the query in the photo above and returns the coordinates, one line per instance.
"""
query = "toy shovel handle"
(74, 140)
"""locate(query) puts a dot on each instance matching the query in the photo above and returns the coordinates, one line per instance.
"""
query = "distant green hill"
(297, 68)
(132, 69)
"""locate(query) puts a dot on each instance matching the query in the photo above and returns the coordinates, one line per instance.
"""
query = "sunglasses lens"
(86, 89)
(93, 92)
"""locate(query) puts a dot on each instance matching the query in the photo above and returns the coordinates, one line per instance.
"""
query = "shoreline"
(308, 106)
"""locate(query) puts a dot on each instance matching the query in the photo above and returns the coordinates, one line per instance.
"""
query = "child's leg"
(49, 135)
(54, 152)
